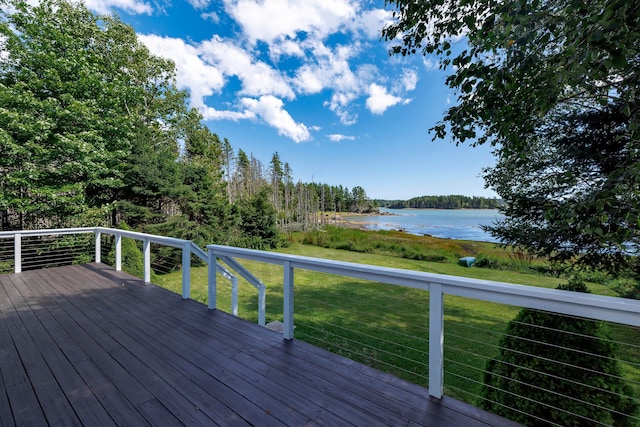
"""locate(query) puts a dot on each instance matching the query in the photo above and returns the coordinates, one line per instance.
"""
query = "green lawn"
(386, 326)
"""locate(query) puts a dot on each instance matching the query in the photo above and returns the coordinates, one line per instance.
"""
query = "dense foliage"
(442, 202)
(90, 121)
(554, 85)
(524, 59)
(568, 194)
(558, 370)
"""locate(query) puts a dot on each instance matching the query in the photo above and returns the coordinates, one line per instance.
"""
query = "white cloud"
(105, 7)
(299, 31)
(409, 79)
(269, 108)
(200, 78)
(331, 69)
(211, 16)
(257, 77)
(380, 100)
(336, 137)
(308, 80)
(199, 4)
(340, 104)
(210, 113)
(202, 69)
(430, 64)
(371, 22)
(286, 48)
(269, 20)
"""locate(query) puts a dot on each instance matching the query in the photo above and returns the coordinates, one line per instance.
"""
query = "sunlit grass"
(386, 326)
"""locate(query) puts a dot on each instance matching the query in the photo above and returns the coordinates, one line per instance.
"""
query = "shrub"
(559, 369)
(486, 261)
(627, 288)
(131, 255)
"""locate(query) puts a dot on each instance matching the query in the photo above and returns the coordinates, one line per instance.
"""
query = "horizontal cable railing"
(536, 355)
(382, 326)
(44, 251)
(457, 340)
(7, 258)
(586, 372)
(34, 249)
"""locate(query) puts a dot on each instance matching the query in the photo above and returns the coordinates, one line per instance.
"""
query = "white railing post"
(186, 270)
(436, 340)
(146, 252)
(118, 244)
(288, 301)
(262, 306)
(17, 253)
(98, 247)
(212, 284)
(234, 296)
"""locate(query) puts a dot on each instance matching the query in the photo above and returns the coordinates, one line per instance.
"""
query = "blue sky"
(312, 80)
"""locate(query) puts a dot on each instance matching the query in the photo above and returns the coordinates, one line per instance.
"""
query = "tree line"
(442, 202)
(94, 131)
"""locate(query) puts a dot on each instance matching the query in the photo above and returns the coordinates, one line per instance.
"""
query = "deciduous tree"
(554, 85)
(77, 91)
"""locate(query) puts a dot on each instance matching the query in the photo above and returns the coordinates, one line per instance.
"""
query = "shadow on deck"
(86, 345)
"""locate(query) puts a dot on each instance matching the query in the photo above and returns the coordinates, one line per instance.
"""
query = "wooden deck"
(86, 345)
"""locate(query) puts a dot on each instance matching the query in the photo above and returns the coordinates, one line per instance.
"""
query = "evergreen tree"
(257, 222)
(568, 195)
(558, 370)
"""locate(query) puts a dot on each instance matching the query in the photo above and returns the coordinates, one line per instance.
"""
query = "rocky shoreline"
(342, 219)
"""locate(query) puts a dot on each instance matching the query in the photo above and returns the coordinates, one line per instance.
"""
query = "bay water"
(462, 224)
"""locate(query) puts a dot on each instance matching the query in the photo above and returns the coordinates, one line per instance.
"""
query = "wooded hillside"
(442, 202)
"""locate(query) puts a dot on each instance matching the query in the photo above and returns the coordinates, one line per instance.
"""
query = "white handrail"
(187, 246)
(254, 281)
(612, 309)
(600, 307)
(46, 232)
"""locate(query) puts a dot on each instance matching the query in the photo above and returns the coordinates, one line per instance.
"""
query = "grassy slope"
(387, 326)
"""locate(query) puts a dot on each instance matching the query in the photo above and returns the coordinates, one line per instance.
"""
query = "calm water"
(462, 224)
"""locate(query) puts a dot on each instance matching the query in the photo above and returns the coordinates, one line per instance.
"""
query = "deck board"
(86, 345)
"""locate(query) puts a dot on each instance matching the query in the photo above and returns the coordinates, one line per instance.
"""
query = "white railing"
(610, 309)
(18, 235)
(601, 308)
(188, 248)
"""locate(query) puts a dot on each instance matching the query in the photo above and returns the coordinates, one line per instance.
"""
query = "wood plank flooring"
(86, 345)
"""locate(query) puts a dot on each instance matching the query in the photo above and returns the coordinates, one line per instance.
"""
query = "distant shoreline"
(434, 209)
(456, 224)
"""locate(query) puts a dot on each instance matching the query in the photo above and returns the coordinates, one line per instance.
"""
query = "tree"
(257, 222)
(568, 194)
(76, 90)
(558, 370)
(535, 77)
(229, 160)
(524, 60)
(206, 201)
(277, 174)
